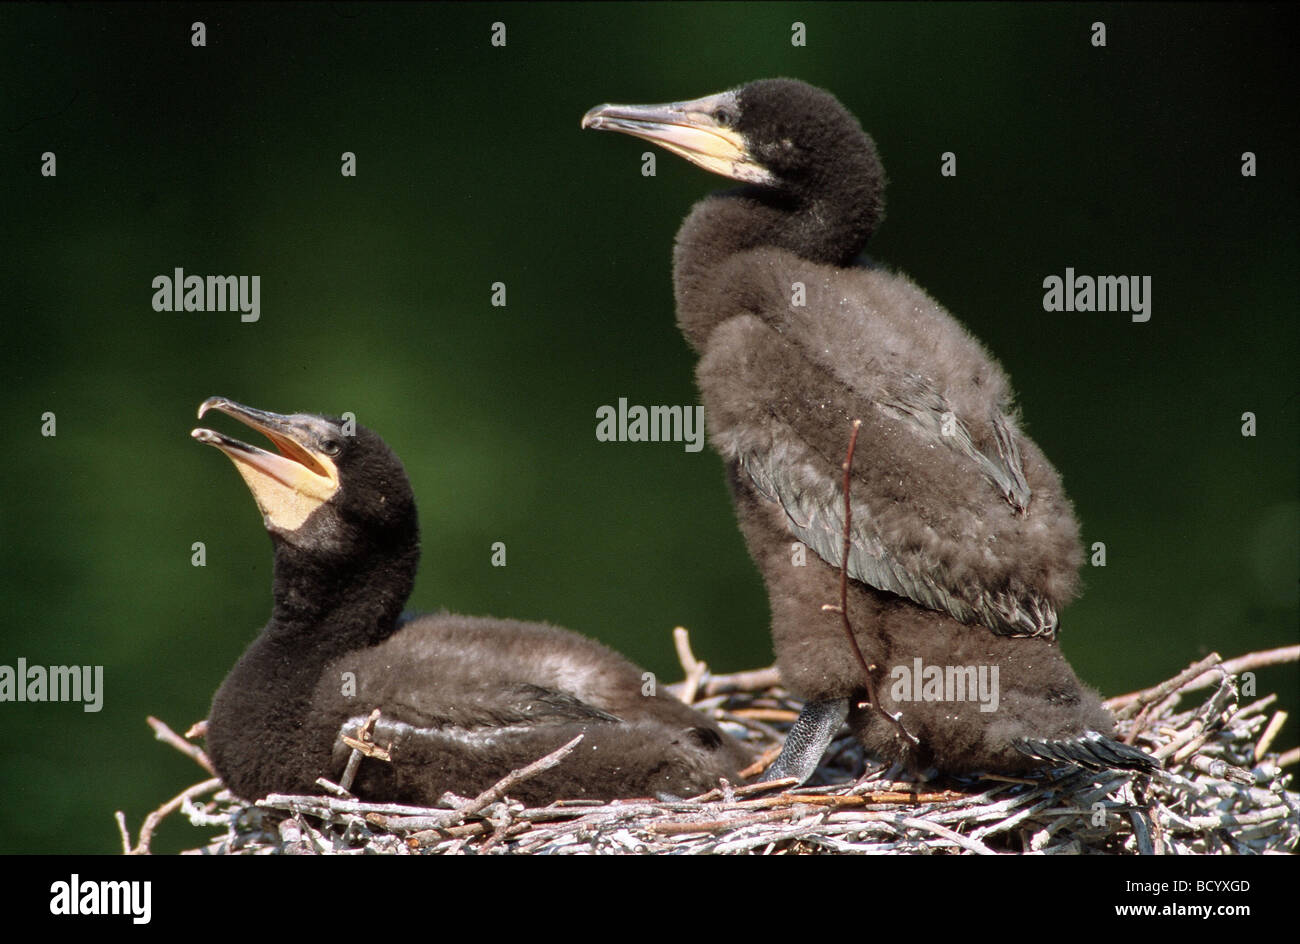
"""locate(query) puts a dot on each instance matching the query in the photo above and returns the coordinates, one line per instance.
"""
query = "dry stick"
(761, 763)
(1127, 704)
(1199, 675)
(676, 827)
(363, 745)
(1159, 700)
(153, 819)
(1266, 739)
(754, 680)
(843, 608)
(192, 751)
(1204, 720)
(1204, 678)
(120, 817)
(402, 814)
(695, 669)
(970, 845)
(868, 670)
(852, 800)
(494, 793)
(1258, 660)
(406, 812)
(766, 714)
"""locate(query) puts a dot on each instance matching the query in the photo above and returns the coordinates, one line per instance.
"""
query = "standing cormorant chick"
(963, 543)
(463, 700)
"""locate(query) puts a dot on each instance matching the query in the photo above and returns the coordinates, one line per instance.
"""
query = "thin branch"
(401, 816)
(1125, 706)
(120, 817)
(363, 745)
(1258, 660)
(843, 608)
(868, 669)
(153, 819)
(752, 680)
(1266, 739)
(192, 751)
(695, 669)
(503, 786)
(1187, 681)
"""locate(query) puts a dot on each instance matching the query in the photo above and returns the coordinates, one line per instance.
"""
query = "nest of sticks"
(1221, 791)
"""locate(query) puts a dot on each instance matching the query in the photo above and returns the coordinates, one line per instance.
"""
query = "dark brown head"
(795, 145)
(337, 504)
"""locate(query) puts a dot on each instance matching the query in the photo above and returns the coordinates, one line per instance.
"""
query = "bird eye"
(722, 117)
(331, 447)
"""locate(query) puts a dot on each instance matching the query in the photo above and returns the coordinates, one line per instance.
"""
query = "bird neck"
(322, 610)
(335, 605)
(828, 222)
(265, 730)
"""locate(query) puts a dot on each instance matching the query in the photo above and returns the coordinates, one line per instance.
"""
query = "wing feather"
(943, 509)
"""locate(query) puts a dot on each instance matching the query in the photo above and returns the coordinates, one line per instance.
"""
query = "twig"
(753, 680)
(970, 845)
(843, 608)
(767, 714)
(1126, 705)
(1258, 660)
(1188, 682)
(502, 787)
(363, 745)
(410, 817)
(695, 669)
(1266, 739)
(153, 819)
(868, 669)
(335, 789)
(120, 817)
(717, 825)
(192, 751)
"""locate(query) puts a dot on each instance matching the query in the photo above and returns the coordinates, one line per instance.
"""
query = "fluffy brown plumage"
(964, 546)
(463, 701)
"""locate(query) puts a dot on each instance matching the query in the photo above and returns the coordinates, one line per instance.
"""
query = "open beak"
(287, 486)
(689, 130)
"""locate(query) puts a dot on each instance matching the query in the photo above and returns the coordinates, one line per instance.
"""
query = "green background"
(472, 169)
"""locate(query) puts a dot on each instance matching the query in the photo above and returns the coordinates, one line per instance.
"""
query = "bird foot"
(807, 741)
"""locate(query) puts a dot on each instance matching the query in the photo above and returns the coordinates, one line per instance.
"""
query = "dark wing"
(942, 508)
(476, 718)
(519, 704)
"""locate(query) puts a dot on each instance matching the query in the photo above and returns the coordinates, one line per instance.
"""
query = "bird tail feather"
(1091, 750)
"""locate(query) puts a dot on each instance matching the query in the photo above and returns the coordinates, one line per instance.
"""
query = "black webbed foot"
(807, 741)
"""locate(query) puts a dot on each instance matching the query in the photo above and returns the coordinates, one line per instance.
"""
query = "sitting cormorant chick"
(463, 701)
(963, 543)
